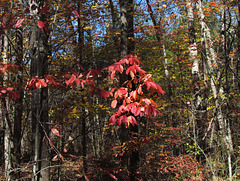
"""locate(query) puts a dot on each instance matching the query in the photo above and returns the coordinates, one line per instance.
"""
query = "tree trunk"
(18, 111)
(227, 87)
(114, 22)
(198, 111)
(157, 27)
(6, 119)
(217, 89)
(124, 132)
(39, 99)
(238, 53)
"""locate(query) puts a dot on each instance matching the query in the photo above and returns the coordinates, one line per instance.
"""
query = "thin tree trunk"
(157, 27)
(123, 20)
(238, 55)
(114, 22)
(227, 120)
(80, 60)
(18, 111)
(6, 119)
(39, 102)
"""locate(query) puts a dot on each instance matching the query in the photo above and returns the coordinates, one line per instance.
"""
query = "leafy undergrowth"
(156, 167)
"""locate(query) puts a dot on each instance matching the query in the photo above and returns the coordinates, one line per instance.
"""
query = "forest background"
(120, 90)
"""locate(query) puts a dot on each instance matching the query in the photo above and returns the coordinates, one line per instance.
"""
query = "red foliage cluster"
(133, 103)
(130, 106)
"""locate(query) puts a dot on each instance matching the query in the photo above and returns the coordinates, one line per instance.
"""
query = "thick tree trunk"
(124, 132)
(134, 157)
(39, 99)
(198, 111)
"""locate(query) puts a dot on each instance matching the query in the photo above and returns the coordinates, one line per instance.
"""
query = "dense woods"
(119, 90)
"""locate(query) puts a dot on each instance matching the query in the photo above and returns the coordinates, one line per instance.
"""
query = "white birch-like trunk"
(7, 133)
(193, 55)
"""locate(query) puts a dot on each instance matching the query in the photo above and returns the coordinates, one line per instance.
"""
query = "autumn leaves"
(131, 102)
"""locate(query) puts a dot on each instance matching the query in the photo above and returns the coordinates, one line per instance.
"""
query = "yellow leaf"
(87, 27)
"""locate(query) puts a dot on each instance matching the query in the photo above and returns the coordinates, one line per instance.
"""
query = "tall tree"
(5, 109)
(198, 120)
(216, 85)
(18, 111)
(39, 99)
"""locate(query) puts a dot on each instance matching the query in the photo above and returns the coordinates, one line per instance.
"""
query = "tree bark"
(217, 89)
(6, 119)
(198, 110)
(39, 99)
(18, 111)
(238, 53)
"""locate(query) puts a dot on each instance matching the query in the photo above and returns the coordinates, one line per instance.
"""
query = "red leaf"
(42, 82)
(77, 81)
(76, 13)
(19, 23)
(132, 120)
(51, 142)
(46, 30)
(40, 24)
(9, 88)
(38, 85)
(147, 101)
(133, 109)
(124, 61)
(103, 94)
(114, 104)
(112, 75)
(133, 94)
(123, 119)
(111, 92)
(122, 109)
(132, 75)
(73, 156)
(3, 91)
(139, 90)
(71, 80)
(116, 67)
(113, 119)
(56, 132)
(82, 84)
(54, 158)
(69, 6)
(112, 176)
